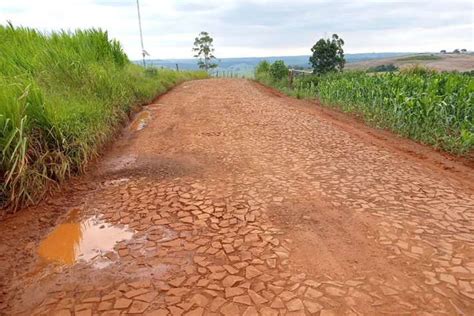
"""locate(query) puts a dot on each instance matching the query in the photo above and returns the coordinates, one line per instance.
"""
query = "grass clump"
(62, 97)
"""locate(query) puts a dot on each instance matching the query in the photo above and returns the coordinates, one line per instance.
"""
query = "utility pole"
(141, 33)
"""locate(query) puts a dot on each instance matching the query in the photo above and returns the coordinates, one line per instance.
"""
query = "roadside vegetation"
(435, 108)
(62, 97)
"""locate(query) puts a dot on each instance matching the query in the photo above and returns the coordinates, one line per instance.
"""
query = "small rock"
(138, 307)
(250, 311)
(195, 312)
(230, 309)
(267, 311)
(122, 303)
(295, 305)
(231, 280)
(252, 272)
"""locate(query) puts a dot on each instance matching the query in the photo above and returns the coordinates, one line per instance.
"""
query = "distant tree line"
(455, 51)
(327, 56)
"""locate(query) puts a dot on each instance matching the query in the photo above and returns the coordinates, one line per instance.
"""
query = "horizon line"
(276, 56)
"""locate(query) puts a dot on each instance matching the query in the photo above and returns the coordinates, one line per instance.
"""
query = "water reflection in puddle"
(86, 240)
(141, 120)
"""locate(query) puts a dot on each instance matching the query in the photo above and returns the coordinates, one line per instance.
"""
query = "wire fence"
(222, 73)
(293, 73)
(226, 74)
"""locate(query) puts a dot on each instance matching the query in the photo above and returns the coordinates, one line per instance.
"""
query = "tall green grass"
(428, 106)
(62, 97)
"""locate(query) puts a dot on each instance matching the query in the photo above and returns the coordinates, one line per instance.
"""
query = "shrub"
(383, 68)
(278, 70)
(262, 67)
(262, 72)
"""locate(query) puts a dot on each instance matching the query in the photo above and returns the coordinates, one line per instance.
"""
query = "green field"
(419, 58)
(428, 106)
(62, 97)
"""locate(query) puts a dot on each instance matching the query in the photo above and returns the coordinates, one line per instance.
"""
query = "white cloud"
(258, 27)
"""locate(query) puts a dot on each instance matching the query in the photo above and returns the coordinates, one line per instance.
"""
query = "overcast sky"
(258, 27)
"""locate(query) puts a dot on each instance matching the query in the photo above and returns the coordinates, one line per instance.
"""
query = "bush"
(262, 72)
(383, 68)
(62, 97)
(262, 68)
(278, 70)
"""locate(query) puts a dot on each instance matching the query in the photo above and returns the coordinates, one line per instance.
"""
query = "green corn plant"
(427, 106)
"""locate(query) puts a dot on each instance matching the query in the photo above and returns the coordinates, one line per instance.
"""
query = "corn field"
(427, 106)
(62, 97)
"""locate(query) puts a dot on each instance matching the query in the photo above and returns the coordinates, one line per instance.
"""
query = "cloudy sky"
(259, 27)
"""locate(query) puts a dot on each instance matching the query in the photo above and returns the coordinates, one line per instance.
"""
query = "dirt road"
(228, 198)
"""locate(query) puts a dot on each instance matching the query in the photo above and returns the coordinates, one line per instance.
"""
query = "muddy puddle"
(140, 121)
(89, 240)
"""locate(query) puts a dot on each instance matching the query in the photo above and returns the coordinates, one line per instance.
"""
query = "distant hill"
(441, 62)
(246, 65)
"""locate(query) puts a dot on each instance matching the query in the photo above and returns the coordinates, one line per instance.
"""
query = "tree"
(328, 55)
(204, 50)
(278, 70)
(262, 69)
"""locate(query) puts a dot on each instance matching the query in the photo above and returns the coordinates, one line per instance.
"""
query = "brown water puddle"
(140, 121)
(86, 240)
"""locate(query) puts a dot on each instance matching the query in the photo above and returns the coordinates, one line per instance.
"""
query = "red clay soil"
(244, 201)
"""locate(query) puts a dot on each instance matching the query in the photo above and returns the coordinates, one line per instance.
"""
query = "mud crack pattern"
(242, 203)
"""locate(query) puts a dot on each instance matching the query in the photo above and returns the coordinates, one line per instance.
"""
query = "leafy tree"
(262, 67)
(262, 71)
(278, 70)
(204, 50)
(328, 55)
